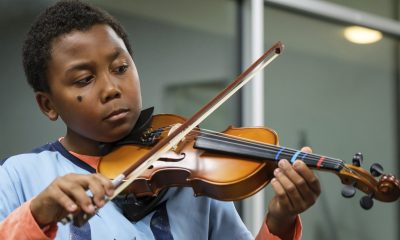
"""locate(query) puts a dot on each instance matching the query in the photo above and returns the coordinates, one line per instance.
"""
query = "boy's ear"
(46, 105)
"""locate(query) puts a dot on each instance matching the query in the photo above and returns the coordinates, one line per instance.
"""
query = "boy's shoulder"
(51, 158)
(34, 153)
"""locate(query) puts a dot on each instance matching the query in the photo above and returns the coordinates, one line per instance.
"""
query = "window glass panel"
(339, 98)
(384, 8)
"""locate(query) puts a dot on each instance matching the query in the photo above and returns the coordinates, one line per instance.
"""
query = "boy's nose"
(110, 90)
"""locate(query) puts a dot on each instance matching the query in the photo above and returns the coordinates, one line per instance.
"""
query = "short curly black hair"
(59, 19)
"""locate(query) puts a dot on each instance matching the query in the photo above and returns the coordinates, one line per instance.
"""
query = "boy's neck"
(81, 145)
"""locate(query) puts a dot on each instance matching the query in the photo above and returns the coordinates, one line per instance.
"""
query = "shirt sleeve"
(265, 234)
(20, 224)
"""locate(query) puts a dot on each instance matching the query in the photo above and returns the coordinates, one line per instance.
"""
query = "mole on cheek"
(79, 98)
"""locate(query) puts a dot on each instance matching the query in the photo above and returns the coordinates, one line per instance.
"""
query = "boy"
(79, 62)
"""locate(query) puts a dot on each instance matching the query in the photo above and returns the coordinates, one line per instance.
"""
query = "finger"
(303, 187)
(281, 174)
(99, 186)
(76, 189)
(107, 184)
(63, 200)
(306, 149)
(280, 193)
(97, 190)
(306, 192)
(308, 175)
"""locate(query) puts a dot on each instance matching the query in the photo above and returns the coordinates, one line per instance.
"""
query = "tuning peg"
(348, 191)
(358, 159)
(367, 202)
(376, 169)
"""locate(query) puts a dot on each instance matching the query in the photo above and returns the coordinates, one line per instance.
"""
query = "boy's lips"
(117, 114)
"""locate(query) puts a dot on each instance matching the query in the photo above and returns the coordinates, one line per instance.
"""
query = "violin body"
(220, 176)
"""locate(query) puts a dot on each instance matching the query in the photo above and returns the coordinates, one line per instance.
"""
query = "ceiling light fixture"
(362, 35)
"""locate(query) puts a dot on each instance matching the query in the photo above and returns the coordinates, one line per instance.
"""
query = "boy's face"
(94, 84)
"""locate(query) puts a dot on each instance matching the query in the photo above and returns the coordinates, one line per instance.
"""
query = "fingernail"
(297, 163)
(282, 163)
(110, 192)
(72, 207)
(91, 207)
(277, 171)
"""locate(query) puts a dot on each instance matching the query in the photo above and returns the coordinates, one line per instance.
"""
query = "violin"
(231, 165)
(234, 164)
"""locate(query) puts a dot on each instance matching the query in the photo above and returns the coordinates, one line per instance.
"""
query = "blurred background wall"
(337, 96)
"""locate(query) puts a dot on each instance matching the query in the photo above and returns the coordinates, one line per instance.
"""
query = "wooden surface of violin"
(224, 176)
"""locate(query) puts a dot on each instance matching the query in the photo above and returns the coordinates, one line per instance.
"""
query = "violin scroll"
(385, 189)
(389, 185)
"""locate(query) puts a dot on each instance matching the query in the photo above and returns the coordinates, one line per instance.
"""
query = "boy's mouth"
(117, 114)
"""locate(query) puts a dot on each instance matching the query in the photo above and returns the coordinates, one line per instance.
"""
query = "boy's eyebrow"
(83, 66)
(80, 66)
(115, 54)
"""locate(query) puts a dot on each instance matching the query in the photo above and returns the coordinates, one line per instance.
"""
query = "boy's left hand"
(296, 189)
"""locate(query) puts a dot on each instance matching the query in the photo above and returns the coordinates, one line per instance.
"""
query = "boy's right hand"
(67, 194)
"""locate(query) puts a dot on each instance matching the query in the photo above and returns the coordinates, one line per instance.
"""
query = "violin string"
(312, 157)
(259, 146)
(262, 146)
(246, 142)
(275, 149)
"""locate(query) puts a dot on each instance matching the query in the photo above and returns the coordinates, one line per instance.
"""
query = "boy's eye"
(85, 80)
(121, 69)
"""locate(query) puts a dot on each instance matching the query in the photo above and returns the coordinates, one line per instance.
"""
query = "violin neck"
(260, 151)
